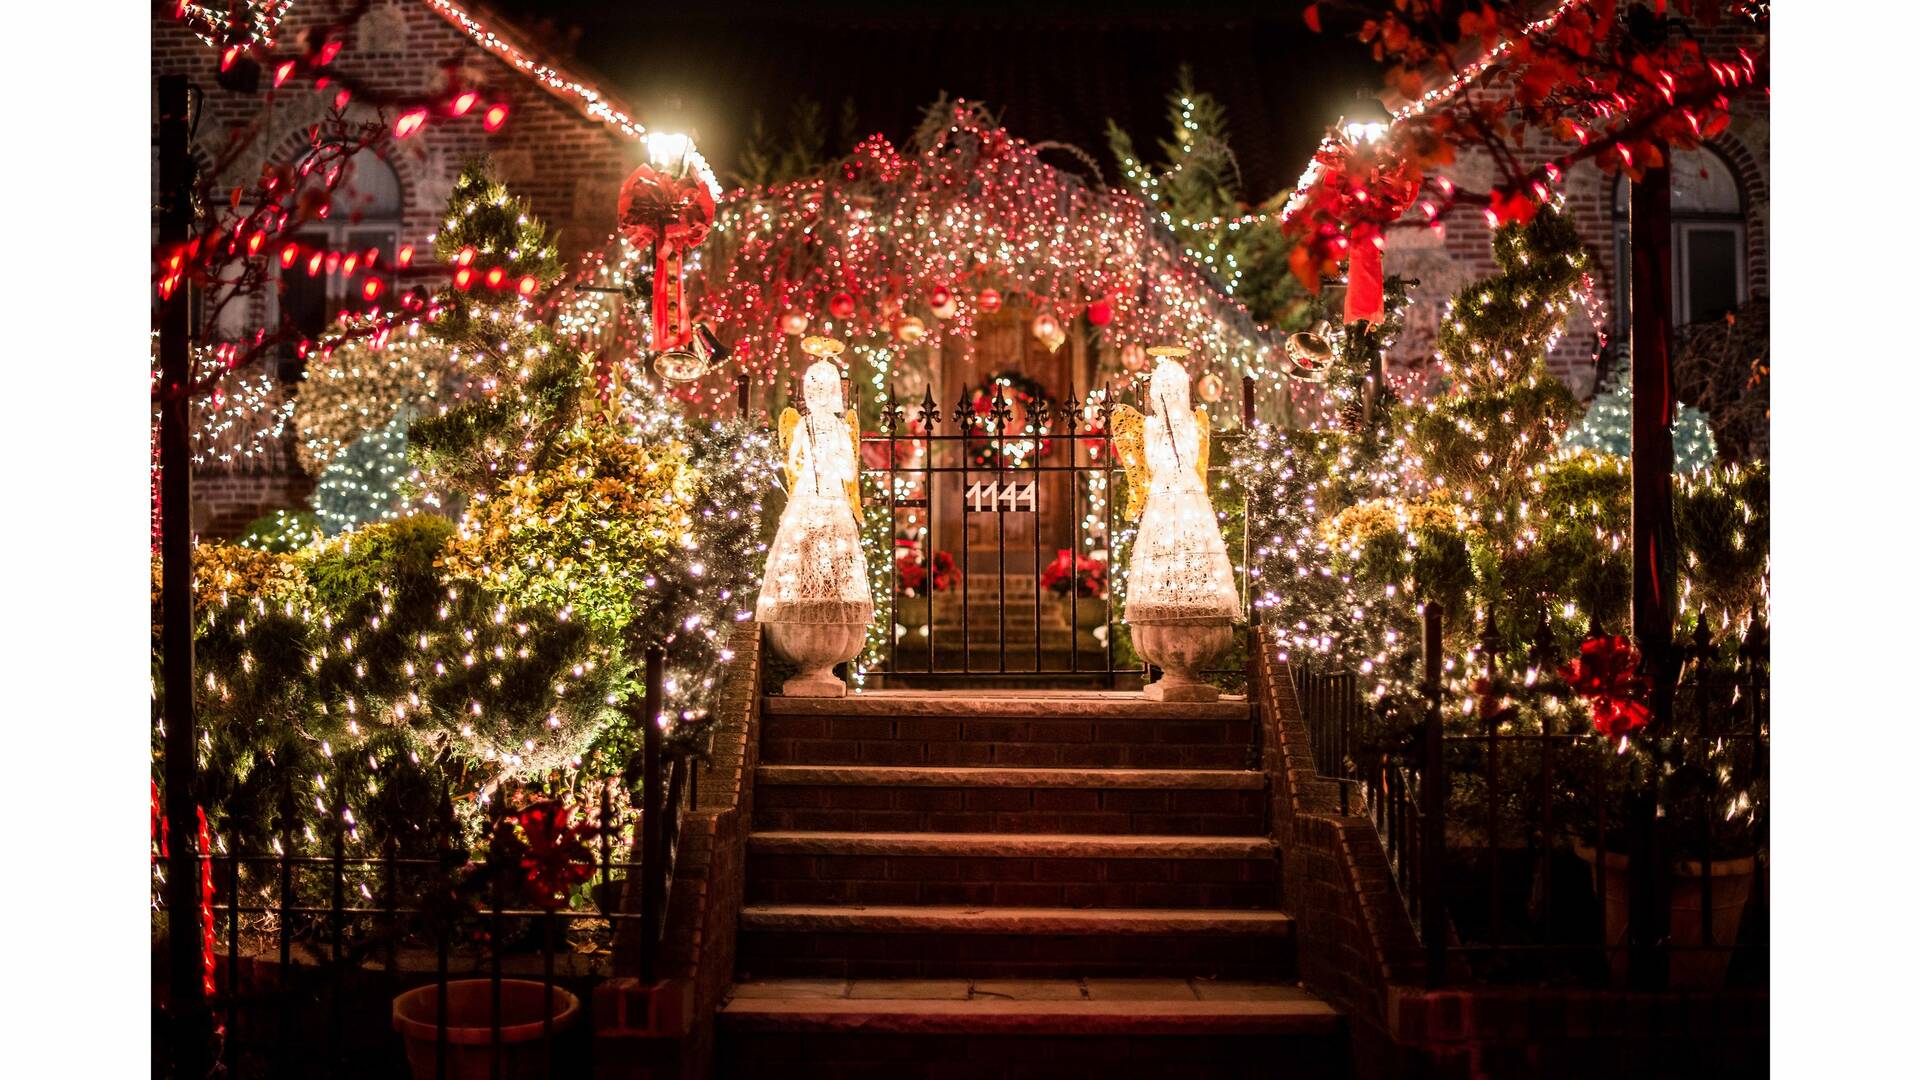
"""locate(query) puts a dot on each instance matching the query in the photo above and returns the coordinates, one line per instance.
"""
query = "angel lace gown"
(1179, 570)
(816, 571)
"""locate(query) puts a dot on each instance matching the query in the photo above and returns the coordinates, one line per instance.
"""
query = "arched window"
(1709, 242)
(363, 217)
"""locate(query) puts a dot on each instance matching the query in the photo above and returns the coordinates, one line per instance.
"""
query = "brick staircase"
(1032, 884)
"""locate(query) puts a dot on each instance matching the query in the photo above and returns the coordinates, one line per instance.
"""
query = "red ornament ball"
(989, 301)
(1100, 312)
(841, 305)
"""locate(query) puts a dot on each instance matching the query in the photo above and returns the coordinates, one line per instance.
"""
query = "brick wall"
(568, 166)
(1447, 259)
(667, 1030)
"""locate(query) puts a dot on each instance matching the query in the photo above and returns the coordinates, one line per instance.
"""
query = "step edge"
(802, 918)
(1040, 845)
(788, 774)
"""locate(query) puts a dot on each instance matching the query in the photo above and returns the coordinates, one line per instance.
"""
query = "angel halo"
(815, 600)
(1181, 596)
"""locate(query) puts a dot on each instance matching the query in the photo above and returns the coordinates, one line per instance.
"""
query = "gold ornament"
(794, 323)
(1308, 354)
(1133, 356)
(909, 330)
(1210, 386)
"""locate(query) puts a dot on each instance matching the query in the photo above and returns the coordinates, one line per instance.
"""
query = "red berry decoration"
(1100, 312)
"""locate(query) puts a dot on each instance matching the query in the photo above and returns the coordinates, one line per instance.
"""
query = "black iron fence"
(318, 959)
(1046, 475)
(1548, 854)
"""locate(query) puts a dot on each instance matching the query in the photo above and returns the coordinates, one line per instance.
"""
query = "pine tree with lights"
(1196, 193)
(1607, 428)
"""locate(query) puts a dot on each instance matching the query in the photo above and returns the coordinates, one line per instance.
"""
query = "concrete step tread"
(1008, 777)
(1012, 845)
(1000, 704)
(887, 918)
(1004, 1006)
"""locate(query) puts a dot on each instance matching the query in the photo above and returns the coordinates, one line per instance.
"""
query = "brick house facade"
(1722, 189)
(566, 163)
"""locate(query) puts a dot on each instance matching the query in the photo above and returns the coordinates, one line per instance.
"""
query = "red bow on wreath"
(1607, 674)
(673, 215)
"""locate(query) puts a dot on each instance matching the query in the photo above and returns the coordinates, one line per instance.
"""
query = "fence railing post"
(191, 1033)
(1433, 803)
(653, 871)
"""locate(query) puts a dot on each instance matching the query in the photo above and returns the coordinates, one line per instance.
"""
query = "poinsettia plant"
(1068, 574)
(920, 575)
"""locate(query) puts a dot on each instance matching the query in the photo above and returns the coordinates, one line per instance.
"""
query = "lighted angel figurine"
(1181, 597)
(815, 599)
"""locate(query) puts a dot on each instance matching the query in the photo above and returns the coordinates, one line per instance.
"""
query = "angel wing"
(1130, 443)
(1205, 427)
(853, 485)
(789, 423)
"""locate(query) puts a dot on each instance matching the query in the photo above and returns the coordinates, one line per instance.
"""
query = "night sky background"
(1052, 71)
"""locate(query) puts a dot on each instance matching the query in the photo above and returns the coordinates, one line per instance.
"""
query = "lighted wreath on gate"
(1022, 439)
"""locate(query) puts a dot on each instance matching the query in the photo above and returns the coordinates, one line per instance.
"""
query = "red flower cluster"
(917, 577)
(550, 851)
(1607, 673)
(1066, 574)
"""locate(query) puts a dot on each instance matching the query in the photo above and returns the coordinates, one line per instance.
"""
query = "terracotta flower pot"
(1688, 968)
(470, 1051)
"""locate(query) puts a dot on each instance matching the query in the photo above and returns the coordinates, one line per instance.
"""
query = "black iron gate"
(1007, 538)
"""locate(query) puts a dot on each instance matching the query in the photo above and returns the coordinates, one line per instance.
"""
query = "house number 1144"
(988, 498)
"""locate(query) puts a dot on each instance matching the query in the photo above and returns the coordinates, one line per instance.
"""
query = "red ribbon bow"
(671, 214)
(1607, 674)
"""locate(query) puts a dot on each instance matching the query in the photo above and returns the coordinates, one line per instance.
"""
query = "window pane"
(1713, 287)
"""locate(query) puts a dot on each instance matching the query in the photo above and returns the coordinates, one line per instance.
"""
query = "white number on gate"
(988, 498)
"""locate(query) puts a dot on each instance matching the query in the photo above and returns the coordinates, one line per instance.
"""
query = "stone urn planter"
(470, 1052)
(1688, 968)
(1180, 650)
(816, 648)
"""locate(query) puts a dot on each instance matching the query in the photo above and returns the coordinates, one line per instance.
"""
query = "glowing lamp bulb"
(494, 118)
(495, 276)
(371, 288)
(463, 278)
(464, 103)
(528, 285)
(666, 149)
(409, 122)
(406, 255)
(465, 258)
(280, 73)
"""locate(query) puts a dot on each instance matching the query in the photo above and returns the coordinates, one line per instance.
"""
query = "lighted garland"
(966, 208)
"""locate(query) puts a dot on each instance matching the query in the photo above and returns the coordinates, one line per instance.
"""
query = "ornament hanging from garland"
(1133, 356)
(793, 323)
(1021, 437)
(941, 300)
(1100, 312)
(840, 306)
(989, 300)
(1210, 387)
(1046, 327)
(910, 330)
(1308, 355)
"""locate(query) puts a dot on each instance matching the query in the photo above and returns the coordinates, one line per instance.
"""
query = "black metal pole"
(1433, 804)
(1651, 235)
(653, 877)
(191, 1033)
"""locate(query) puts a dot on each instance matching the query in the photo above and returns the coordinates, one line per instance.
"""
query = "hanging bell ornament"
(1133, 356)
(685, 363)
(1308, 355)
(989, 300)
(941, 300)
(909, 330)
(793, 323)
(1210, 387)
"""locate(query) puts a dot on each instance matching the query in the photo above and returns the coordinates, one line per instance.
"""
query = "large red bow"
(671, 214)
(1607, 673)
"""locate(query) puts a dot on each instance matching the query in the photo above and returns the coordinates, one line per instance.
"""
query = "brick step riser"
(1013, 882)
(910, 955)
(1078, 742)
(837, 808)
(802, 1055)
